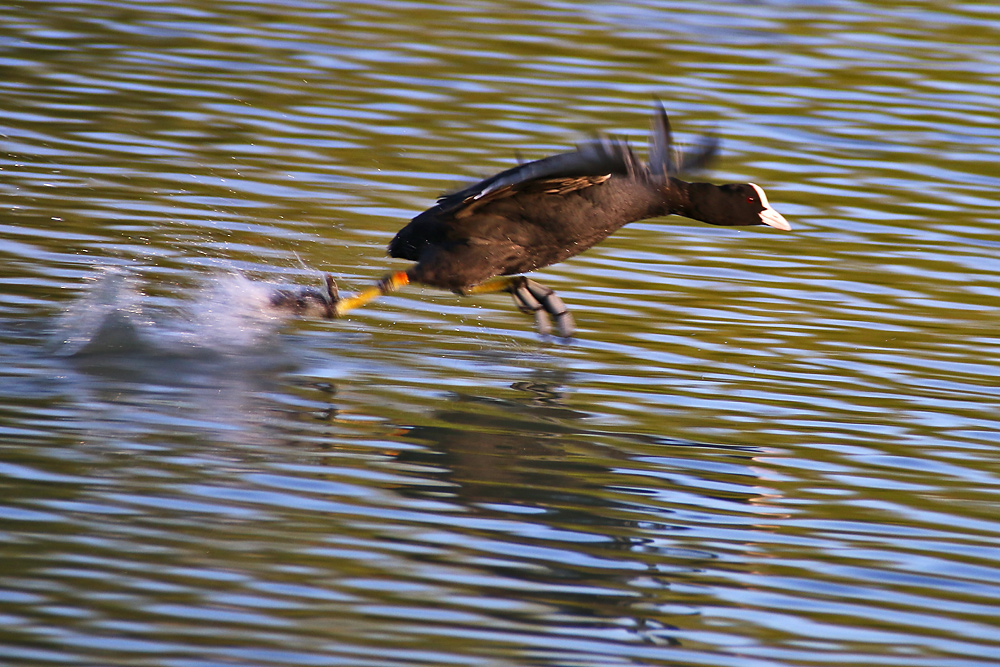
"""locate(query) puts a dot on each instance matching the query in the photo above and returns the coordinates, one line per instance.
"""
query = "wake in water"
(230, 314)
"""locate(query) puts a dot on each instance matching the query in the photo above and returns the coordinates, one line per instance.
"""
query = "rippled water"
(763, 449)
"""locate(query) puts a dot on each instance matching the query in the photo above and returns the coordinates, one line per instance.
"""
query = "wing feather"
(598, 158)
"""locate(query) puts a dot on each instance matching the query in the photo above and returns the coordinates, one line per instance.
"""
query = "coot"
(480, 239)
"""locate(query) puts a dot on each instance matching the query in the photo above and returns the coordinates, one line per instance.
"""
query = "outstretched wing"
(590, 163)
(662, 159)
(700, 156)
(665, 160)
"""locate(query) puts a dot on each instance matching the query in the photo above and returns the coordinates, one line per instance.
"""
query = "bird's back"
(542, 212)
(566, 201)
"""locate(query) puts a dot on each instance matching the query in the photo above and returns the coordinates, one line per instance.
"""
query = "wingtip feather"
(661, 150)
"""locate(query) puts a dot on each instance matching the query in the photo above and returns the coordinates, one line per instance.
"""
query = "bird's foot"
(309, 301)
(537, 299)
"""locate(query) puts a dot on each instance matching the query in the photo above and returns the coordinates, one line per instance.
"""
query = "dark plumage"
(544, 212)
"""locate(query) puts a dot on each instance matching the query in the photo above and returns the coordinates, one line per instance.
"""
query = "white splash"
(230, 314)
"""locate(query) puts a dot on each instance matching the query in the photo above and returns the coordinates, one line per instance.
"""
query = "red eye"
(750, 200)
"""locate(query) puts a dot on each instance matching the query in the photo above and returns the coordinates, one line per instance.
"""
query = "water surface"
(763, 449)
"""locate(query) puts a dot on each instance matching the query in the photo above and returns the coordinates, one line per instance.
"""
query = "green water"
(763, 448)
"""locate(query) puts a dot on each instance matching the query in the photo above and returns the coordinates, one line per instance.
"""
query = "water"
(763, 449)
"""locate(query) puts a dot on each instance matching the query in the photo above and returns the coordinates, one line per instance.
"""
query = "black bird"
(479, 239)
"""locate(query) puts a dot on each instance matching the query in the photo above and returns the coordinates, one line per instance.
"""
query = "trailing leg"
(387, 285)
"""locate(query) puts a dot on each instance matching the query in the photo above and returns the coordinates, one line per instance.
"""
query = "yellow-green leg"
(532, 298)
(390, 283)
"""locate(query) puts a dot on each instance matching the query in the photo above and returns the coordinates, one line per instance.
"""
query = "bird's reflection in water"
(591, 525)
(573, 511)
